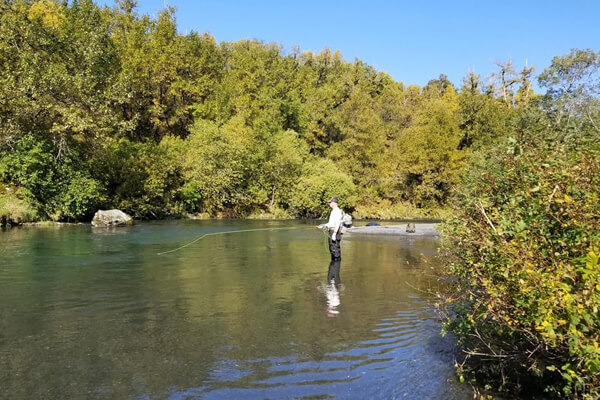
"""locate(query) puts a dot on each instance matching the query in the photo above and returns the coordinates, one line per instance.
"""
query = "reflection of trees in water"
(415, 255)
(148, 323)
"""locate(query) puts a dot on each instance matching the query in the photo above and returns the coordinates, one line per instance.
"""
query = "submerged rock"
(111, 218)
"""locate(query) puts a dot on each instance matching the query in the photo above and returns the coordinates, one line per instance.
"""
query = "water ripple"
(362, 365)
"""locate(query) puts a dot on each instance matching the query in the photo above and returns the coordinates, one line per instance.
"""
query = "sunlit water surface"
(97, 314)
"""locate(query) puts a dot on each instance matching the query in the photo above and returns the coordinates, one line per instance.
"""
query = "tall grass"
(14, 209)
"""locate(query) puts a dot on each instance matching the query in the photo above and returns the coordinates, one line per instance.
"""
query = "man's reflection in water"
(333, 275)
(332, 290)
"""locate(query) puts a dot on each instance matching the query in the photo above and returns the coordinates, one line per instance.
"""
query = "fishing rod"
(228, 232)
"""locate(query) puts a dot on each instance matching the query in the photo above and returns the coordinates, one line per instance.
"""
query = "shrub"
(79, 198)
(525, 242)
(142, 179)
(321, 180)
(271, 213)
(59, 188)
(32, 167)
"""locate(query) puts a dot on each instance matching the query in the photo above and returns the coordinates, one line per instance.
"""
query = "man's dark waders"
(334, 247)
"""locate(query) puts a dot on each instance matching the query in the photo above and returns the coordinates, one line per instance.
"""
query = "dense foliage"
(525, 241)
(104, 107)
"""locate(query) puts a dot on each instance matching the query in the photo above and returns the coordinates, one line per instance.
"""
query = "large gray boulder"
(111, 218)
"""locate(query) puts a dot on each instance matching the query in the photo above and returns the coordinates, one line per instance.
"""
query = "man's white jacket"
(335, 219)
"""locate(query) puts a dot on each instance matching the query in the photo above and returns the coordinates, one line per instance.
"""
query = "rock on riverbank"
(111, 218)
(421, 230)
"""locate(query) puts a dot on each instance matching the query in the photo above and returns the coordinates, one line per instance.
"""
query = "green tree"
(216, 164)
(56, 67)
(429, 156)
(482, 118)
(321, 180)
(141, 178)
(282, 166)
(573, 84)
(525, 92)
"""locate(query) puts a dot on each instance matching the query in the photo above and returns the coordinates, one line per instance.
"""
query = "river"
(88, 313)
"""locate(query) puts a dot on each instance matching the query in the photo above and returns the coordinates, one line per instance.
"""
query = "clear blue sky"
(412, 41)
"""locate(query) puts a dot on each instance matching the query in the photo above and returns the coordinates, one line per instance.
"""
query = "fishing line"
(227, 232)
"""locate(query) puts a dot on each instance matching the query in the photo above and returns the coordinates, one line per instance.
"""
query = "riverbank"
(16, 211)
(424, 226)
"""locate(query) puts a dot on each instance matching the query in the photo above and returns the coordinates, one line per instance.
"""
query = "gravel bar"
(396, 230)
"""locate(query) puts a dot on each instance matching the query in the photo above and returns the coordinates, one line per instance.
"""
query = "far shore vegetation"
(104, 107)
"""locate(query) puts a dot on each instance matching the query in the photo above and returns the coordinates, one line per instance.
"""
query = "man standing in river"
(334, 226)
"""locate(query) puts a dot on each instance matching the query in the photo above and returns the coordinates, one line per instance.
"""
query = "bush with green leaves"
(79, 198)
(322, 179)
(32, 167)
(61, 189)
(525, 245)
(142, 179)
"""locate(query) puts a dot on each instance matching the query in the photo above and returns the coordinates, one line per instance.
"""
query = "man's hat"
(333, 200)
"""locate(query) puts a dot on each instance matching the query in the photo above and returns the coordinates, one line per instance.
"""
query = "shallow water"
(97, 314)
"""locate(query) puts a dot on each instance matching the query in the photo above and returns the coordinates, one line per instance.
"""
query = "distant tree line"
(105, 107)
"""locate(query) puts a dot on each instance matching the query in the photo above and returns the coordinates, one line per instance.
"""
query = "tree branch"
(486, 217)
